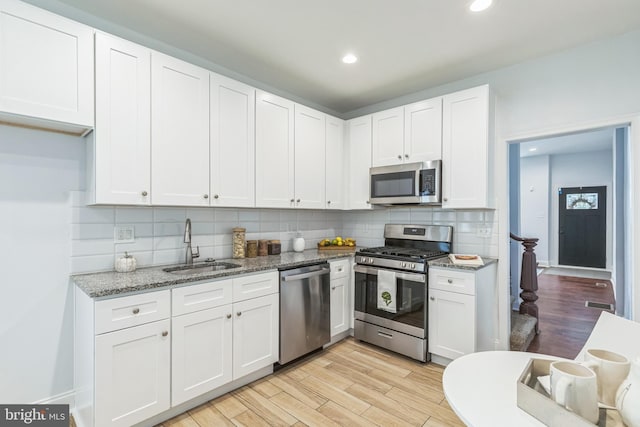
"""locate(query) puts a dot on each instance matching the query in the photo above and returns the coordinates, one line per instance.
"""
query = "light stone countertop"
(445, 262)
(111, 283)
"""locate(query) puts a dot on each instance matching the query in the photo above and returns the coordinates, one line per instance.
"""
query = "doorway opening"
(571, 191)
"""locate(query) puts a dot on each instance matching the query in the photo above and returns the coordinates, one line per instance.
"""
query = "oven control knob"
(370, 260)
(413, 266)
(403, 264)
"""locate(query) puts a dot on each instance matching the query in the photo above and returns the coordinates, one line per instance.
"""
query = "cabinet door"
(179, 132)
(309, 158)
(465, 139)
(388, 137)
(255, 334)
(423, 131)
(335, 164)
(274, 152)
(359, 162)
(452, 328)
(201, 352)
(132, 374)
(339, 305)
(123, 122)
(232, 143)
(46, 66)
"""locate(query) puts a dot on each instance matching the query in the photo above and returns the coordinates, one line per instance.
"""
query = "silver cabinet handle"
(385, 335)
(165, 333)
(449, 281)
(293, 200)
(206, 196)
(399, 156)
(333, 287)
(144, 193)
(298, 201)
(328, 202)
(136, 310)
(368, 202)
(229, 316)
(432, 298)
(445, 200)
(406, 156)
(239, 313)
(215, 196)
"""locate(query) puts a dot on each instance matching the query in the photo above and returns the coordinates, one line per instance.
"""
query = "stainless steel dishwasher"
(305, 316)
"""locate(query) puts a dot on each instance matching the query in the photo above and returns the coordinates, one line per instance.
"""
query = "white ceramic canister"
(628, 396)
(298, 243)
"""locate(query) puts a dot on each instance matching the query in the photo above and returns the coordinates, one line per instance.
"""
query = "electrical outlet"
(483, 232)
(124, 234)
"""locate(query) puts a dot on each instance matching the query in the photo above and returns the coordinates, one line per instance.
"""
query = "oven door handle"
(413, 277)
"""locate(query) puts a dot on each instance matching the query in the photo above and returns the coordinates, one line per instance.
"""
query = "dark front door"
(583, 226)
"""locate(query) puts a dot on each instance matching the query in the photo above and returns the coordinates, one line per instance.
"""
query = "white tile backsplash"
(159, 232)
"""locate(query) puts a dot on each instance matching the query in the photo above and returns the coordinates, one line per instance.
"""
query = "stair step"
(523, 331)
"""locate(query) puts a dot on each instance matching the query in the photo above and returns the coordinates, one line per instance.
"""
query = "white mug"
(611, 369)
(576, 388)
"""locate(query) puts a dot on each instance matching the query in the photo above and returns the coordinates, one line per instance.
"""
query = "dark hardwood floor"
(565, 322)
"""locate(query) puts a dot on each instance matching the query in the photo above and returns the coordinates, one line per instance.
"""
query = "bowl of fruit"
(337, 244)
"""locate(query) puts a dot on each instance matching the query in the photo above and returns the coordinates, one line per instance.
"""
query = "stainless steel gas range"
(391, 287)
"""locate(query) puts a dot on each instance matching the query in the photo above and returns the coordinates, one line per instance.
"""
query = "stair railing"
(528, 278)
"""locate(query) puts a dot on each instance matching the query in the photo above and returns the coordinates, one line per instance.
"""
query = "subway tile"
(269, 226)
(168, 229)
(141, 244)
(421, 216)
(202, 228)
(202, 240)
(207, 252)
(470, 216)
(77, 198)
(168, 242)
(224, 227)
(201, 214)
(222, 239)
(125, 215)
(442, 215)
(245, 215)
(169, 215)
(91, 231)
(226, 215)
(92, 215)
(169, 256)
(222, 252)
(89, 247)
(93, 263)
(142, 229)
(269, 215)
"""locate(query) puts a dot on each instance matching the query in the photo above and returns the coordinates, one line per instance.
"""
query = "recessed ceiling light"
(533, 149)
(480, 5)
(349, 58)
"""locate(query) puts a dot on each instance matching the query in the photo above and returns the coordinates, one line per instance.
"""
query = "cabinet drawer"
(452, 281)
(256, 285)
(124, 312)
(193, 298)
(339, 269)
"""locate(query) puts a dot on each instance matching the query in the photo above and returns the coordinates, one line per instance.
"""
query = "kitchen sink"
(201, 268)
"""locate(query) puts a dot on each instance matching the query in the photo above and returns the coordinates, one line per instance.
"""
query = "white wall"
(590, 169)
(534, 203)
(37, 172)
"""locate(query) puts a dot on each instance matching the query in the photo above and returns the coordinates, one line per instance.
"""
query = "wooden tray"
(337, 248)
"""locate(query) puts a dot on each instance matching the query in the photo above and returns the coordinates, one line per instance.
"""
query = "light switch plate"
(124, 234)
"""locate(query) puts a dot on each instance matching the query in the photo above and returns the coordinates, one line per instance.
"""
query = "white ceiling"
(595, 140)
(403, 45)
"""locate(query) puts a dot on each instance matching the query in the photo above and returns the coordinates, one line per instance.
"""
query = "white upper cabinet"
(123, 122)
(46, 68)
(359, 140)
(412, 133)
(465, 149)
(388, 137)
(179, 132)
(335, 164)
(232, 143)
(423, 131)
(274, 151)
(309, 183)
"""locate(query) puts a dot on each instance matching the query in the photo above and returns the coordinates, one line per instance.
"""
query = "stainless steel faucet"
(190, 255)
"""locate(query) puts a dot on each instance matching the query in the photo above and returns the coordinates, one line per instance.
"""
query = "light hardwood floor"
(348, 384)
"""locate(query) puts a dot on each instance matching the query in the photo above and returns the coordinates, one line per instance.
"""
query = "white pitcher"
(628, 396)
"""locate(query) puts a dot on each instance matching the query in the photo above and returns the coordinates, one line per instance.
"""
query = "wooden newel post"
(529, 278)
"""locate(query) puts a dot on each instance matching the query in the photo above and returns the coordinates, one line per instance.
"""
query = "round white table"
(481, 388)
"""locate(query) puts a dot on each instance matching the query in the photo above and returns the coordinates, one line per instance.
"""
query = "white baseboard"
(66, 398)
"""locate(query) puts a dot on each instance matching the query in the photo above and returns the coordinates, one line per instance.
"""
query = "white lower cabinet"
(255, 334)
(461, 307)
(133, 361)
(341, 301)
(201, 352)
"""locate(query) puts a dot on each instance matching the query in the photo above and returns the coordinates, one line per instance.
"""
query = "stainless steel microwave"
(406, 184)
